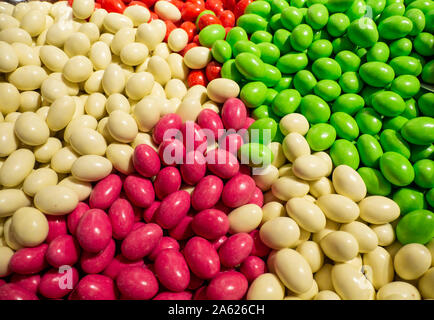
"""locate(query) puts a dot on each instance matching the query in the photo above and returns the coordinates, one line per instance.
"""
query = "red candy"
(227, 18)
(240, 7)
(210, 224)
(172, 209)
(113, 5)
(64, 250)
(235, 249)
(139, 191)
(207, 19)
(137, 283)
(212, 70)
(202, 258)
(121, 215)
(172, 270)
(29, 260)
(207, 193)
(230, 285)
(189, 13)
(105, 192)
(140, 242)
(196, 77)
(146, 161)
(168, 181)
(238, 191)
(94, 230)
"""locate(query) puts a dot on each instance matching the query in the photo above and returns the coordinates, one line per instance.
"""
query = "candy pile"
(154, 150)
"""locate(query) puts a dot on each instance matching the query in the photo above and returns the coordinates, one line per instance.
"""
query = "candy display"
(217, 150)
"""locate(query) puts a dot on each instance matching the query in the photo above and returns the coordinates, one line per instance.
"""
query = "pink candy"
(172, 209)
(29, 282)
(238, 191)
(222, 163)
(139, 191)
(11, 291)
(118, 263)
(105, 192)
(209, 119)
(168, 181)
(146, 161)
(121, 215)
(172, 270)
(56, 285)
(64, 250)
(137, 283)
(252, 267)
(202, 258)
(194, 167)
(94, 230)
(97, 262)
(210, 224)
(235, 249)
(167, 122)
(140, 242)
(234, 114)
(95, 287)
(29, 260)
(229, 285)
(75, 216)
(207, 192)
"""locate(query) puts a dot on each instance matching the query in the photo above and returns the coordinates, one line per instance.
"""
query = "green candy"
(282, 39)
(341, 44)
(338, 5)
(246, 46)
(250, 66)
(369, 121)
(304, 82)
(291, 17)
(406, 65)
(368, 93)
(428, 72)
(425, 103)
(388, 103)
(418, 19)
(424, 173)
(345, 125)
(255, 154)
(301, 37)
(263, 130)
(252, 22)
(424, 44)
(396, 169)
(349, 103)
(253, 94)
(230, 71)
(321, 48)
(416, 227)
(350, 82)
(261, 36)
(395, 123)
(408, 200)
(315, 109)
(317, 16)
(269, 97)
(321, 136)
(363, 32)
(377, 74)
(326, 68)
(395, 27)
(264, 111)
(292, 62)
(421, 152)
(370, 150)
(375, 183)
(277, 6)
(286, 101)
(328, 90)
(430, 197)
(221, 51)
(261, 8)
(377, 6)
(344, 152)
(401, 47)
(406, 86)
(423, 5)
(203, 13)
(236, 34)
(270, 53)
(210, 34)
(283, 84)
(392, 9)
(297, 3)
(271, 76)
(379, 52)
(337, 25)
(419, 131)
(348, 61)
(391, 140)
(356, 10)
(275, 22)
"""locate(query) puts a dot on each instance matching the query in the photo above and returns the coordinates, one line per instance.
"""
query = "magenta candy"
(137, 283)
(209, 119)
(148, 213)
(185, 295)
(220, 206)
(235, 249)
(2, 282)
(195, 282)
(172, 209)
(138, 225)
(194, 167)
(234, 114)
(248, 123)
(105, 192)
(171, 270)
(171, 152)
(218, 242)
(193, 137)
(146, 160)
(165, 243)
(56, 285)
(118, 263)
(252, 267)
(182, 230)
(245, 169)
(97, 262)
(64, 250)
(140, 242)
(169, 121)
(74, 217)
(28, 282)
(238, 191)
(257, 197)
(206, 193)
(121, 215)
(222, 163)
(94, 230)
(95, 287)
(29, 260)
(11, 291)
(210, 224)
(202, 258)
(56, 227)
(230, 285)
(168, 181)
(231, 143)
(259, 248)
(200, 294)
(139, 191)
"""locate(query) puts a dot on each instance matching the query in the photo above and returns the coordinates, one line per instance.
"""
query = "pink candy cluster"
(144, 237)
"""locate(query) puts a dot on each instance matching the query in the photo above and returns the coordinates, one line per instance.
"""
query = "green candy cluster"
(354, 69)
